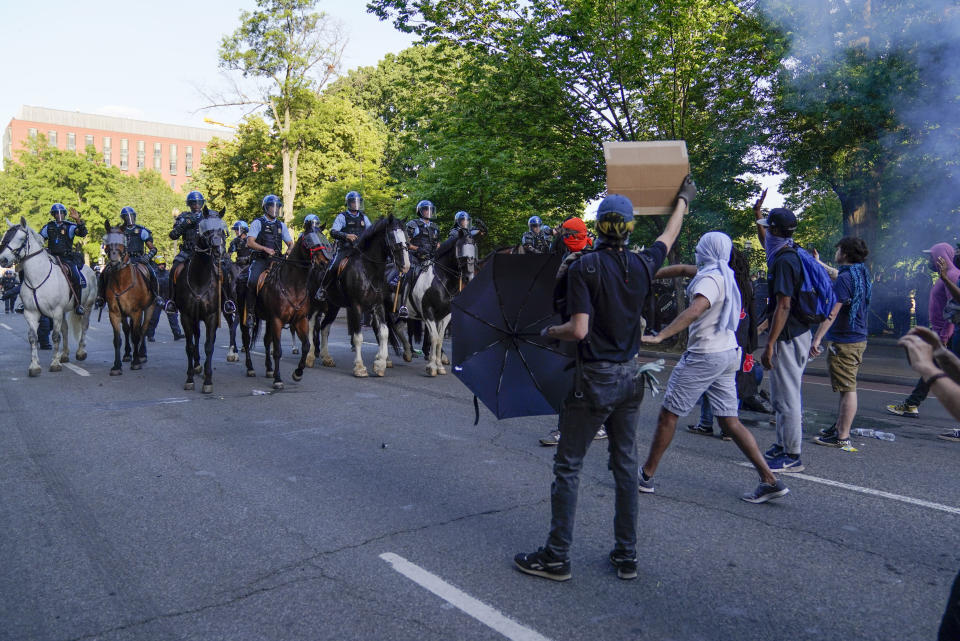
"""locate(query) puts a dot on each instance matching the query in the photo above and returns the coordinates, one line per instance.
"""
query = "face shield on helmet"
(462, 219)
(272, 206)
(195, 201)
(426, 210)
(240, 227)
(354, 202)
(534, 221)
(59, 212)
(129, 216)
(311, 223)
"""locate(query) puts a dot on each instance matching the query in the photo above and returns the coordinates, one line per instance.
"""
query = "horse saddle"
(342, 264)
(67, 268)
(262, 278)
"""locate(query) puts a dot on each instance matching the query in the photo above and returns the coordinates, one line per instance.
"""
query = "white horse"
(46, 291)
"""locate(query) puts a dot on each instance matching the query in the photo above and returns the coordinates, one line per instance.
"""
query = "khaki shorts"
(844, 361)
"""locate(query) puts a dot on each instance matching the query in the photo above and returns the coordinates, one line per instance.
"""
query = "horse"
(129, 298)
(358, 284)
(46, 291)
(197, 293)
(452, 267)
(284, 296)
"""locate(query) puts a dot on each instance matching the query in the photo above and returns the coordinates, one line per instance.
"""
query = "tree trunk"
(861, 215)
(289, 170)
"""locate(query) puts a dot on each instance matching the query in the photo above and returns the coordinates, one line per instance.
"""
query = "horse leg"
(126, 340)
(402, 330)
(354, 319)
(197, 365)
(441, 357)
(328, 319)
(188, 334)
(295, 349)
(267, 349)
(33, 320)
(208, 345)
(277, 332)
(232, 356)
(115, 322)
(55, 336)
(303, 333)
(65, 337)
(383, 338)
(83, 325)
(246, 338)
(138, 340)
(310, 357)
(433, 364)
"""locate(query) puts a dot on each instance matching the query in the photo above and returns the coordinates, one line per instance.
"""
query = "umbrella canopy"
(498, 352)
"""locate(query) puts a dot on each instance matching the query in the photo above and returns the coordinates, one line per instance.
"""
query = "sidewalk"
(883, 362)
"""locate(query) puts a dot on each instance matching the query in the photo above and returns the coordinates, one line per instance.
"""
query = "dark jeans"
(155, 320)
(44, 327)
(611, 397)
(920, 392)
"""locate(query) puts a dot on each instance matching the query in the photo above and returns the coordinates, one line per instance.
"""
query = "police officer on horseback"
(59, 235)
(239, 244)
(423, 235)
(536, 240)
(350, 224)
(266, 238)
(185, 227)
(137, 239)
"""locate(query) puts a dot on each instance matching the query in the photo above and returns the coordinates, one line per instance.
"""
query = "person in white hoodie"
(709, 365)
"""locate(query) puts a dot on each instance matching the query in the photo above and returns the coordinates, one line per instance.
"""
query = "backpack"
(815, 300)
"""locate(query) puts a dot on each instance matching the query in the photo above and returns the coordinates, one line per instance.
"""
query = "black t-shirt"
(785, 279)
(597, 285)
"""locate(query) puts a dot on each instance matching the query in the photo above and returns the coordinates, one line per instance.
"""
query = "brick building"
(173, 150)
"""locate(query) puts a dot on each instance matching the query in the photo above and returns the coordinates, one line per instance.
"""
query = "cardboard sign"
(648, 173)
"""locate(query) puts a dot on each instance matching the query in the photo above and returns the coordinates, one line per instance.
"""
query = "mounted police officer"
(423, 235)
(605, 294)
(137, 238)
(60, 234)
(536, 240)
(239, 245)
(266, 238)
(185, 227)
(350, 224)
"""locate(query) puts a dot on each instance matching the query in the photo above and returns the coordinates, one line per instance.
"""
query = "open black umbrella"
(498, 352)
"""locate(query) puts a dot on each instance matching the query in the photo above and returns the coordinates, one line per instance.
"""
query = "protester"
(788, 344)
(709, 366)
(939, 296)
(846, 329)
(163, 278)
(606, 290)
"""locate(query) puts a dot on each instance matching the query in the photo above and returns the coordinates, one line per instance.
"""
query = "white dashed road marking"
(459, 599)
(76, 369)
(870, 491)
(5, 326)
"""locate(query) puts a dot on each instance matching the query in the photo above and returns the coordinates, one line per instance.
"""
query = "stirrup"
(170, 307)
(403, 312)
(80, 311)
(229, 307)
(320, 295)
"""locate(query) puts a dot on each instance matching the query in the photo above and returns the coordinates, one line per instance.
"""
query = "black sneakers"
(542, 563)
(766, 492)
(626, 565)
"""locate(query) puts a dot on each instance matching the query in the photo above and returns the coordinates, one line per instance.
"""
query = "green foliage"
(44, 175)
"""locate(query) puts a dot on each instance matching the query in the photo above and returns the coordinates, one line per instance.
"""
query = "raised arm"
(686, 194)
(675, 271)
(758, 214)
(944, 269)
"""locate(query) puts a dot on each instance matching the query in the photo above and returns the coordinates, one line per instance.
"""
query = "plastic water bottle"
(884, 436)
(860, 431)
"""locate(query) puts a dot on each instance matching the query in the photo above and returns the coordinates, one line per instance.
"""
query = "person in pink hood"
(939, 296)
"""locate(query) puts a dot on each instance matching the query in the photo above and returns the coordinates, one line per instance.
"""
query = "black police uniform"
(354, 224)
(270, 235)
(611, 285)
(538, 243)
(244, 253)
(60, 244)
(185, 227)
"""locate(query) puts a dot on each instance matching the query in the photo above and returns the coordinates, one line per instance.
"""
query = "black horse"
(357, 282)
(198, 294)
(452, 267)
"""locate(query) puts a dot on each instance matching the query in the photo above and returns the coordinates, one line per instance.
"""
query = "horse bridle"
(459, 271)
(23, 259)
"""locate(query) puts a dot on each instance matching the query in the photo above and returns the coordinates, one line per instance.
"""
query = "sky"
(149, 60)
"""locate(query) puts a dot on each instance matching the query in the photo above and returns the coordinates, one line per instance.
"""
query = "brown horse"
(285, 296)
(129, 297)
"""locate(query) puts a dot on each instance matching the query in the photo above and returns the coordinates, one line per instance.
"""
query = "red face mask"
(576, 237)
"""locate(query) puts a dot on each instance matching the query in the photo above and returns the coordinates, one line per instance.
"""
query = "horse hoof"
(407, 358)
(389, 364)
(136, 366)
(64, 358)
(442, 371)
(311, 361)
(431, 371)
(116, 372)
(360, 372)
(328, 362)
(444, 361)
(233, 358)
(296, 350)
(126, 359)
(379, 371)
(278, 385)
(188, 386)
(81, 356)
(296, 377)
(198, 369)
(251, 373)
(56, 367)
(207, 389)
(268, 373)
(34, 371)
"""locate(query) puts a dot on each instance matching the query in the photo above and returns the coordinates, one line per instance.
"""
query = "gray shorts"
(713, 374)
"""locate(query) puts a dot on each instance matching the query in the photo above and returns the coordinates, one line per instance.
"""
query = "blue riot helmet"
(461, 219)
(615, 218)
(59, 212)
(129, 216)
(272, 206)
(354, 201)
(425, 209)
(240, 227)
(310, 223)
(195, 201)
(534, 221)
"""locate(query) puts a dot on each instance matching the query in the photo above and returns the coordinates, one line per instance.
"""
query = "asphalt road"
(373, 509)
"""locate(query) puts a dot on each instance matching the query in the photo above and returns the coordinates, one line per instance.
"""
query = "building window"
(141, 154)
(173, 160)
(8, 144)
(32, 132)
(71, 142)
(156, 156)
(52, 138)
(107, 148)
(124, 152)
(173, 183)
(87, 141)
(188, 162)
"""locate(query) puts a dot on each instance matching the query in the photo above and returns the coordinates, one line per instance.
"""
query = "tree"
(290, 52)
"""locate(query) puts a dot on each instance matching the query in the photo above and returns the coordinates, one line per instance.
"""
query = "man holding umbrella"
(606, 291)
